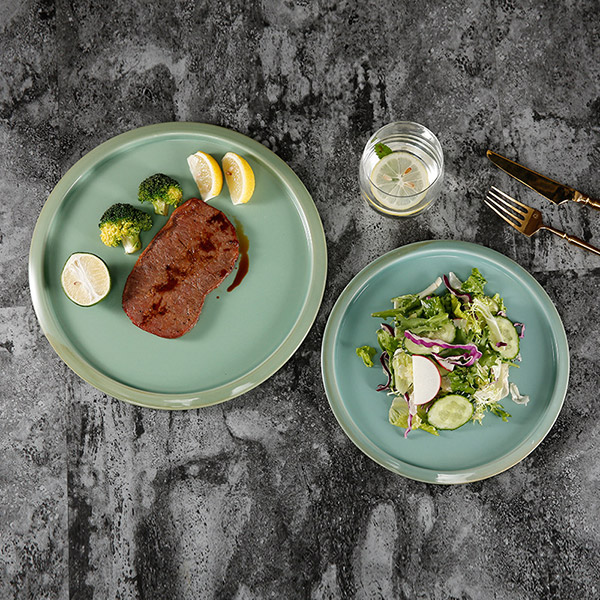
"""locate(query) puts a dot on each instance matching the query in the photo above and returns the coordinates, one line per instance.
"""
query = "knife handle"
(588, 201)
(573, 240)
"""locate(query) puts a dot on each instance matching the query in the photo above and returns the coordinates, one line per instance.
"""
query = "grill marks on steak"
(188, 258)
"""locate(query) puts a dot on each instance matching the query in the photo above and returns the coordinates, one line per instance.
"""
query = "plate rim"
(424, 474)
(193, 399)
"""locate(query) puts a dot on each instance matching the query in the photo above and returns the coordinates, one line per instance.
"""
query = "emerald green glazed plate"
(243, 336)
(474, 451)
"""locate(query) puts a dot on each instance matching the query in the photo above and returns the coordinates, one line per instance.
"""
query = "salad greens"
(466, 336)
(366, 353)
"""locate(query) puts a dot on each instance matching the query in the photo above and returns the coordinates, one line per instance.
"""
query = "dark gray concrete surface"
(264, 496)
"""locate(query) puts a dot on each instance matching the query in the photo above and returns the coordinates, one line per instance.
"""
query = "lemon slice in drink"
(207, 174)
(239, 177)
(85, 279)
(398, 179)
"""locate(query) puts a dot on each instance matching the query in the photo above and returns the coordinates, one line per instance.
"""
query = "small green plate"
(242, 336)
(474, 451)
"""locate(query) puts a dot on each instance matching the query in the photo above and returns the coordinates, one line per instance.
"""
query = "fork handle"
(587, 201)
(573, 240)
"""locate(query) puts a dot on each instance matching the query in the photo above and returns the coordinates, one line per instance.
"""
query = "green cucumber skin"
(511, 338)
(445, 426)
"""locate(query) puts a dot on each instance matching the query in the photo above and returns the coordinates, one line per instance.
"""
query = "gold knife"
(554, 191)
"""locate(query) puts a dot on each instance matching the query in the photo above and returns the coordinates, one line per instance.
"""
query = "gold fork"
(525, 219)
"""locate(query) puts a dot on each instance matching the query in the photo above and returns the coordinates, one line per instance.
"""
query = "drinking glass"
(401, 169)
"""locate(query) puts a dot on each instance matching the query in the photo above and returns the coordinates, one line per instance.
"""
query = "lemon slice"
(207, 174)
(239, 177)
(398, 179)
(85, 279)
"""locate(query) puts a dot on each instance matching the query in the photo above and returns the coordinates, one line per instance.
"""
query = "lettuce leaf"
(499, 411)
(387, 342)
(432, 306)
(366, 353)
(418, 325)
(402, 305)
(398, 413)
(474, 284)
(402, 367)
(463, 379)
(398, 416)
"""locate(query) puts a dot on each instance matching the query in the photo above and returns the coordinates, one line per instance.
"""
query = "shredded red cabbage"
(468, 358)
(385, 359)
(410, 417)
(522, 326)
(460, 360)
(388, 328)
(460, 295)
(443, 362)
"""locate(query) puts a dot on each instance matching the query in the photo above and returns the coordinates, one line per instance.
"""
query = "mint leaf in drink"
(382, 150)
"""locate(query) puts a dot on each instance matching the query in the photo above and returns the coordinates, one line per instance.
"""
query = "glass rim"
(417, 125)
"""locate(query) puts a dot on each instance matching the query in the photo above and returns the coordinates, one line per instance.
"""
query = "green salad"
(447, 356)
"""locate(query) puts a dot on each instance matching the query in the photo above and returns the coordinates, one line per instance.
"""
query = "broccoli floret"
(122, 224)
(162, 191)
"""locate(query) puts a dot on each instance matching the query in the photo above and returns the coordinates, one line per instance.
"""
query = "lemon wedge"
(85, 279)
(239, 177)
(207, 174)
(398, 180)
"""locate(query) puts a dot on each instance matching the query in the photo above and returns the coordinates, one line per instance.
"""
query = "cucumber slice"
(510, 337)
(413, 348)
(446, 333)
(450, 412)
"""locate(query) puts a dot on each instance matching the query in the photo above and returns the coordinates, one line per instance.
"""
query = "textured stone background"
(264, 496)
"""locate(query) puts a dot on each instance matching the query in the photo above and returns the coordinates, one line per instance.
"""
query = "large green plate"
(472, 452)
(242, 336)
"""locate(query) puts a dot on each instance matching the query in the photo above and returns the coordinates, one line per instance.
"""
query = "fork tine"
(505, 208)
(512, 207)
(510, 198)
(490, 203)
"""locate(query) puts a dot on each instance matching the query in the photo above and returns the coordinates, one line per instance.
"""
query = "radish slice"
(426, 379)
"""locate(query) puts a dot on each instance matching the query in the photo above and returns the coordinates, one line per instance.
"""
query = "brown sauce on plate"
(244, 262)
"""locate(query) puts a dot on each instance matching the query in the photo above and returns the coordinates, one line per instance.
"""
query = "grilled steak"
(188, 258)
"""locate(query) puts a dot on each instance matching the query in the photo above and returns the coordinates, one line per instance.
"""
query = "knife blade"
(552, 190)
